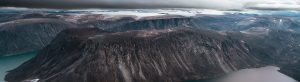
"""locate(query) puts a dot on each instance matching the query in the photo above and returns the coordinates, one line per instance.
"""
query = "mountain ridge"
(133, 56)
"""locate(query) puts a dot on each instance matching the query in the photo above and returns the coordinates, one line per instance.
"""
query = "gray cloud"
(205, 4)
(210, 4)
(273, 5)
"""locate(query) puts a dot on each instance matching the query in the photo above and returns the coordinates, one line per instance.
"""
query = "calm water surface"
(11, 62)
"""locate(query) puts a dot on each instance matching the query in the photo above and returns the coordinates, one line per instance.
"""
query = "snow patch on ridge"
(31, 80)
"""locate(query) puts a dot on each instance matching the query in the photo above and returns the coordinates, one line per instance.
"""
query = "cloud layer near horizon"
(205, 4)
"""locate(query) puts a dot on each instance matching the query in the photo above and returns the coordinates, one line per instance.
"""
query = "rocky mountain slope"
(92, 55)
(26, 35)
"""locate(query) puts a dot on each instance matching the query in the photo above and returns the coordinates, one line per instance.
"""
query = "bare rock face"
(92, 55)
(27, 35)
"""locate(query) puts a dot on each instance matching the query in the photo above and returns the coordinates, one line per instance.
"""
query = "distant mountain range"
(43, 21)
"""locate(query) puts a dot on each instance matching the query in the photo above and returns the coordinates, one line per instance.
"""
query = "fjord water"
(263, 74)
(10, 62)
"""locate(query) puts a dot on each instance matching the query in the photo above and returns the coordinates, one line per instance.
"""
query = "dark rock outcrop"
(91, 55)
(26, 35)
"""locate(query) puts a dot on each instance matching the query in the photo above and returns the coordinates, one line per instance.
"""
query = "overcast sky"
(205, 4)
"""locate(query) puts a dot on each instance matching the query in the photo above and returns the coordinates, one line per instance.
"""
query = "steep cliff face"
(108, 23)
(90, 55)
(155, 24)
(26, 35)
